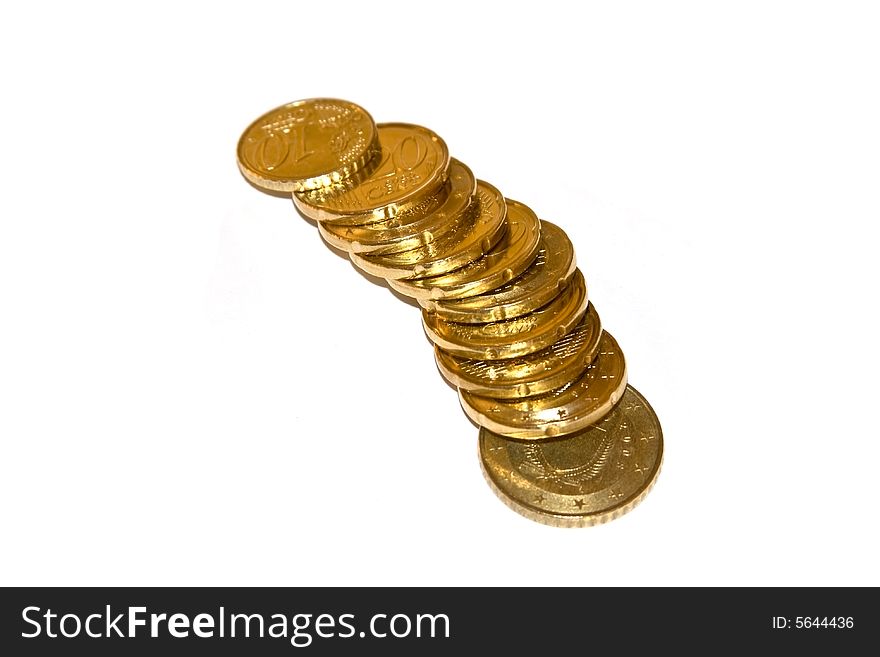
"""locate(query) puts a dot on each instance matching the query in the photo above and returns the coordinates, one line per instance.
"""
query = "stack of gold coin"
(563, 439)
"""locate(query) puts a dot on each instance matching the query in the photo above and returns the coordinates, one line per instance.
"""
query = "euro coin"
(543, 281)
(476, 231)
(307, 145)
(511, 338)
(535, 374)
(587, 478)
(505, 261)
(412, 166)
(410, 230)
(569, 408)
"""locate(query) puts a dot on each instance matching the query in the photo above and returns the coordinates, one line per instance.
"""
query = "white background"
(195, 390)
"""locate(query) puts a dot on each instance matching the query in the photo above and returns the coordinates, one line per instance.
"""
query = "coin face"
(475, 231)
(569, 408)
(307, 145)
(542, 281)
(409, 230)
(511, 338)
(587, 478)
(503, 262)
(412, 166)
(535, 374)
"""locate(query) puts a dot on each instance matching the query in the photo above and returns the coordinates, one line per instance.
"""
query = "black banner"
(276, 621)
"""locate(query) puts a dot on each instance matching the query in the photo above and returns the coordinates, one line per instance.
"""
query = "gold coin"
(409, 230)
(512, 337)
(569, 408)
(476, 231)
(411, 167)
(544, 280)
(587, 478)
(530, 375)
(308, 144)
(503, 262)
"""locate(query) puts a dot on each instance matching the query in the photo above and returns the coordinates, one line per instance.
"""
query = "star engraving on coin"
(585, 399)
(582, 479)
(563, 439)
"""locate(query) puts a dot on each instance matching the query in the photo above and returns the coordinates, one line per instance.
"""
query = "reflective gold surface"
(535, 374)
(308, 144)
(564, 410)
(412, 165)
(587, 478)
(544, 279)
(409, 231)
(503, 262)
(512, 337)
(563, 439)
(476, 231)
